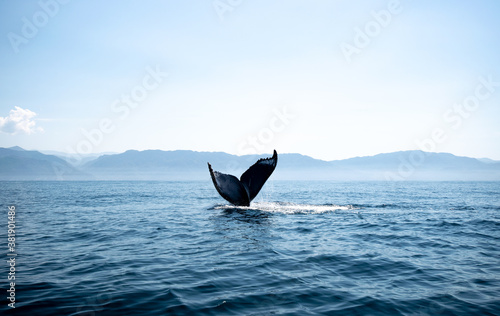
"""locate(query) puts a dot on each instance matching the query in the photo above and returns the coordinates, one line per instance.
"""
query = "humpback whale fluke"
(241, 192)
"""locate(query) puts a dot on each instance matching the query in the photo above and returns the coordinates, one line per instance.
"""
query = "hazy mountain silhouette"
(185, 164)
(19, 164)
(416, 165)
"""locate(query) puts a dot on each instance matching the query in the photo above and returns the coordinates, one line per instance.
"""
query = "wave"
(287, 208)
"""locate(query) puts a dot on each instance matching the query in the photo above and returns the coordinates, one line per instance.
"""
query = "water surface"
(301, 248)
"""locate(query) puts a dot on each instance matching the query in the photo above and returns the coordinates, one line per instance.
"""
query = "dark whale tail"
(241, 192)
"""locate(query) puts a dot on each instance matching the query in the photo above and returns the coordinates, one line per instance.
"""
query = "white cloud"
(19, 120)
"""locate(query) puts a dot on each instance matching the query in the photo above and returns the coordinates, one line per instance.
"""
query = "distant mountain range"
(19, 164)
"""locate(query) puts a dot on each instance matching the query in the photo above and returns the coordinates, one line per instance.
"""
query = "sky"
(327, 79)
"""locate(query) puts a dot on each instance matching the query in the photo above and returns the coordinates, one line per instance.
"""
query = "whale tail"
(241, 192)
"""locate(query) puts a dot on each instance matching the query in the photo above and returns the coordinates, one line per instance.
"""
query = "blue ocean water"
(301, 248)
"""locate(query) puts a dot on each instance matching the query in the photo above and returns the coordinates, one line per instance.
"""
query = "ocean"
(301, 248)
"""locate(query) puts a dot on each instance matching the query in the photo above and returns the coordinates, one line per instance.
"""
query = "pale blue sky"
(230, 72)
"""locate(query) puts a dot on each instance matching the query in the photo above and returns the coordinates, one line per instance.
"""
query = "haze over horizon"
(332, 80)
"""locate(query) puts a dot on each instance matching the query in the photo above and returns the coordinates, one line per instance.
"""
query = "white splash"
(288, 208)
